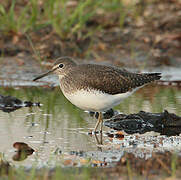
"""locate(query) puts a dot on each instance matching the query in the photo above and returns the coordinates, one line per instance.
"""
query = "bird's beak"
(44, 74)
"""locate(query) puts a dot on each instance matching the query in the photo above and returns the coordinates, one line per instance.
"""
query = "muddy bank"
(161, 165)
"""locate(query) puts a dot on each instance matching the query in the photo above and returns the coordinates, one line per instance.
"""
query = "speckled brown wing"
(107, 79)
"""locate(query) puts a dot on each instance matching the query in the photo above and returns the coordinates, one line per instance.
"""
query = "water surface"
(59, 129)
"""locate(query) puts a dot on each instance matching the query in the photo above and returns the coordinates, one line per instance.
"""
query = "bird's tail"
(149, 77)
(142, 79)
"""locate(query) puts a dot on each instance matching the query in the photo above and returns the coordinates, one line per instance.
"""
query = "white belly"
(95, 100)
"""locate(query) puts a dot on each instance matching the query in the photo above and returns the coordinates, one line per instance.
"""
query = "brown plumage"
(107, 79)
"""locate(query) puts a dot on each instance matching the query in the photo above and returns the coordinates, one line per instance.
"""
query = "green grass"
(36, 53)
(65, 20)
(46, 174)
(174, 165)
(19, 22)
(84, 173)
(74, 23)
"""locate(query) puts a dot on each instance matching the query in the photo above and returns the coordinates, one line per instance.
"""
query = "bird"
(96, 87)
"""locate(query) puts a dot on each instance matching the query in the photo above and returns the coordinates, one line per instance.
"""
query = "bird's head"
(61, 67)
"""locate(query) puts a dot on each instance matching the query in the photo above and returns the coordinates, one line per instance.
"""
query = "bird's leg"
(99, 142)
(98, 122)
(101, 137)
(101, 121)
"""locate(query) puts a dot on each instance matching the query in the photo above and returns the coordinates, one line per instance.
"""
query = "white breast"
(95, 100)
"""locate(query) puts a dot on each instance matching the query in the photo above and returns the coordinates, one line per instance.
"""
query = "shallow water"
(59, 131)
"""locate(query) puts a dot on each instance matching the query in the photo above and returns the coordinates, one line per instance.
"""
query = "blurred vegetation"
(94, 29)
(67, 18)
(163, 168)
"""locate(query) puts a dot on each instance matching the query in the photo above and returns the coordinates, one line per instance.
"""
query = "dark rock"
(165, 123)
(9, 103)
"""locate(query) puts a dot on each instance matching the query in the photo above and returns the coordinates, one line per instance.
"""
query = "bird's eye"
(60, 65)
